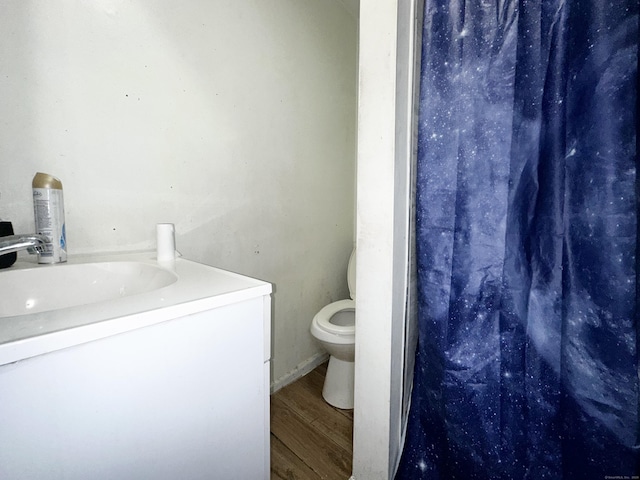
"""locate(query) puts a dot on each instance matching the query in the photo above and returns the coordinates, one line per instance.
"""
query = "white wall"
(235, 120)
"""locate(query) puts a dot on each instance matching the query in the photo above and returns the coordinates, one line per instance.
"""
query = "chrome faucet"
(32, 243)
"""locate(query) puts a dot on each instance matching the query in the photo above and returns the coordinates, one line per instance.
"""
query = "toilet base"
(338, 383)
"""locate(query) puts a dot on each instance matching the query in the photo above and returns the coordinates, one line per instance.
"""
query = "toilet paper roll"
(166, 241)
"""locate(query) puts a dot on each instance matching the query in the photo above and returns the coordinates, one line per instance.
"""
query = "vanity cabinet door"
(180, 399)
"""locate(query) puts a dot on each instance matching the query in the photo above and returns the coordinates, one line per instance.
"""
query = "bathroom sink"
(52, 287)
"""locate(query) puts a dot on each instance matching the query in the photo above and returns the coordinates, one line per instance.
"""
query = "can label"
(48, 205)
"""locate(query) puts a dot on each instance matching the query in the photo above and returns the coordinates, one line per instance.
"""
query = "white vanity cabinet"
(182, 398)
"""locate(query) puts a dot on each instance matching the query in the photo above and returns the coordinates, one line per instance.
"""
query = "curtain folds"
(526, 242)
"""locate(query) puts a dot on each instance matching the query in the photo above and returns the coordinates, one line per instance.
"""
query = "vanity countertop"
(198, 288)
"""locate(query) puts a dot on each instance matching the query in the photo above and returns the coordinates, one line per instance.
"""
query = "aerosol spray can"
(48, 206)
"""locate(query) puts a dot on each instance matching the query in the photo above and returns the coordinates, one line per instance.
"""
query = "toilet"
(335, 328)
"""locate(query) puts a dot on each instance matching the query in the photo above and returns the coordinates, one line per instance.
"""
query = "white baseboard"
(300, 371)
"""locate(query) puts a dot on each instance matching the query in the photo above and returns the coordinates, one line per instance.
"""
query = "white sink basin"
(52, 287)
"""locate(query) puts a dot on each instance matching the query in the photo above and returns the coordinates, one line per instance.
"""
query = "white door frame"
(386, 150)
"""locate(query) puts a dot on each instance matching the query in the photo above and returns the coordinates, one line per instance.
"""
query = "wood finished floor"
(310, 439)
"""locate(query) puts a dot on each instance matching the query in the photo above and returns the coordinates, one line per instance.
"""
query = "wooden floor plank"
(303, 398)
(325, 457)
(287, 466)
(310, 439)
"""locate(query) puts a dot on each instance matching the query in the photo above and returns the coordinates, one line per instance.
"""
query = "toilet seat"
(324, 316)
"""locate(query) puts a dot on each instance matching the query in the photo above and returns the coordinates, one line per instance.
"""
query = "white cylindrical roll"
(166, 241)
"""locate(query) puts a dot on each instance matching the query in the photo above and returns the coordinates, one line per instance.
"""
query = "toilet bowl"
(334, 327)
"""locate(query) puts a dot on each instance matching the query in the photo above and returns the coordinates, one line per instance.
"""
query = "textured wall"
(233, 120)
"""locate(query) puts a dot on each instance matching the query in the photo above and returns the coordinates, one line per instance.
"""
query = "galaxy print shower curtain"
(526, 232)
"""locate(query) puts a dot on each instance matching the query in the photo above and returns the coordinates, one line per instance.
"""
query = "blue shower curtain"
(526, 242)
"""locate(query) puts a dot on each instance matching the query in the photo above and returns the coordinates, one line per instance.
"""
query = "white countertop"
(198, 288)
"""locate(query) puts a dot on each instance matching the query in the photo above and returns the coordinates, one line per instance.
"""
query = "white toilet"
(335, 328)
